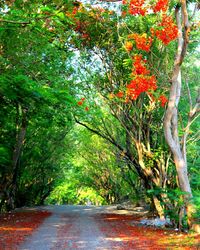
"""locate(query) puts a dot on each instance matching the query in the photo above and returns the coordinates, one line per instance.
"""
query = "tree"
(143, 81)
(171, 117)
(34, 92)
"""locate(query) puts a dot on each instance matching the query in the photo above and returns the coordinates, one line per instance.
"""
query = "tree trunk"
(159, 208)
(171, 115)
(15, 160)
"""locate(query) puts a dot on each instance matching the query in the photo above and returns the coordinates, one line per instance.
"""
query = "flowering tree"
(144, 81)
(166, 31)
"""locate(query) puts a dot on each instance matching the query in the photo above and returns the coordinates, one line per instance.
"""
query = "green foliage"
(175, 198)
(35, 93)
(68, 194)
(197, 203)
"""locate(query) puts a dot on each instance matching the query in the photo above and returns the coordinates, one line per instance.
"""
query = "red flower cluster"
(139, 66)
(72, 13)
(142, 82)
(169, 31)
(161, 5)
(120, 94)
(128, 46)
(166, 31)
(142, 42)
(75, 10)
(136, 7)
(163, 100)
(81, 101)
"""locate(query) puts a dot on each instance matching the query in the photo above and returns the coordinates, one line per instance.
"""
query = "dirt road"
(101, 228)
(69, 227)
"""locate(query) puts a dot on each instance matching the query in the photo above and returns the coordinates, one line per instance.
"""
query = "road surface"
(69, 227)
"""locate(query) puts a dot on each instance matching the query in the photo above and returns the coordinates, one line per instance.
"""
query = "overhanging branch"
(113, 142)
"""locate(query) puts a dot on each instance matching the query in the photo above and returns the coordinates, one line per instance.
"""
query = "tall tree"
(177, 147)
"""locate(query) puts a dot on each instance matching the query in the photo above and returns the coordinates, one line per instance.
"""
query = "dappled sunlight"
(122, 238)
(111, 219)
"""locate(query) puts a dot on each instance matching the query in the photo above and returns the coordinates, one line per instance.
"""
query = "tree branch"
(26, 22)
(113, 142)
(14, 22)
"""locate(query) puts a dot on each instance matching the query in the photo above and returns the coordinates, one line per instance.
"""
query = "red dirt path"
(16, 226)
